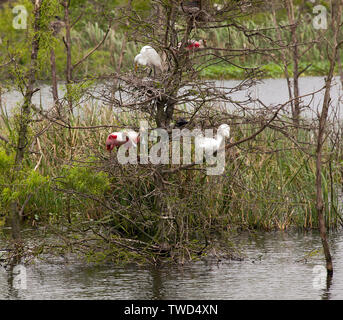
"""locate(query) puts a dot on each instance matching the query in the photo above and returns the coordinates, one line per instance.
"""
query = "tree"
(336, 21)
(179, 91)
(25, 116)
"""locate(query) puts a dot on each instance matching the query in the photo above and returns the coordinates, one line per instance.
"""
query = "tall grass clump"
(274, 187)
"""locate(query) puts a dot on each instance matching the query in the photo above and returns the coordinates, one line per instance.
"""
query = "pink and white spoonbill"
(193, 44)
(116, 139)
(211, 144)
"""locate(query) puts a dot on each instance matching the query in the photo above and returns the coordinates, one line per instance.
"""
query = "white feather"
(211, 144)
(149, 57)
(120, 136)
(133, 138)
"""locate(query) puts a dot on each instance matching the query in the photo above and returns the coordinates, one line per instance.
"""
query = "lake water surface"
(274, 268)
(269, 91)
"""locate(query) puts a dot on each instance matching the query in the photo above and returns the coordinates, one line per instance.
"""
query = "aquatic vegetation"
(269, 189)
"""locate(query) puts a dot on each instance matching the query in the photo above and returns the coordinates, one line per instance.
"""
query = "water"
(273, 92)
(274, 268)
(269, 91)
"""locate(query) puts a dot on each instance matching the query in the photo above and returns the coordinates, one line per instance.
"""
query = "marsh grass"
(268, 184)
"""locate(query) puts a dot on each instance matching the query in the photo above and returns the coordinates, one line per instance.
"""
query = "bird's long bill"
(109, 147)
(136, 67)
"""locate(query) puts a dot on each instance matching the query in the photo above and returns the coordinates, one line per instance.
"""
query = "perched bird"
(191, 7)
(195, 10)
(116, 139)
(193, 44)
(179, 123)
(56, 26)
(149, 57)
(211, 144)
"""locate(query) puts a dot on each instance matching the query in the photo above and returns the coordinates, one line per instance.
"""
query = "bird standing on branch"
(149, 57)
(179, 123)
(193, 44)
(56, 26)
(116, 139)
(211, 144)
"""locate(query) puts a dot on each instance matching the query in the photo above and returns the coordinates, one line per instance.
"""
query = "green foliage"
(32, 182)
(47, 41)
(38, 191)
(13, 40)
(22, 185)
(77, 90)
(89, 31)
(6, 161)
(270, 70)
(222, 72)
(85, 181)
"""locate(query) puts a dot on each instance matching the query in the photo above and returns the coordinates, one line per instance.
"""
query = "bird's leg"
(150, 73)
(154, 71)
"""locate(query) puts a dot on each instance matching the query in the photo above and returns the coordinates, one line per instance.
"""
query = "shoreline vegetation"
(105, 59)
(268, 71)
(282, 170)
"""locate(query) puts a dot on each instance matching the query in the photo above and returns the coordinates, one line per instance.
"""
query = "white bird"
(211, 144)
(149, 57)
(134, 138)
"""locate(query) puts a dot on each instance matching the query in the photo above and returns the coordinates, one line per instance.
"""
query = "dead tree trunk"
(340, 68)
(67, 43)
(54, 80)
(336, 24)
(283, 57)
(295, 57)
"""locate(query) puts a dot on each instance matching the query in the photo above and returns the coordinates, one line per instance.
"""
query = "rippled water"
(271, 270)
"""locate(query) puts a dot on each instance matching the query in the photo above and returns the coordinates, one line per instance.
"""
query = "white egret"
(149, 57)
